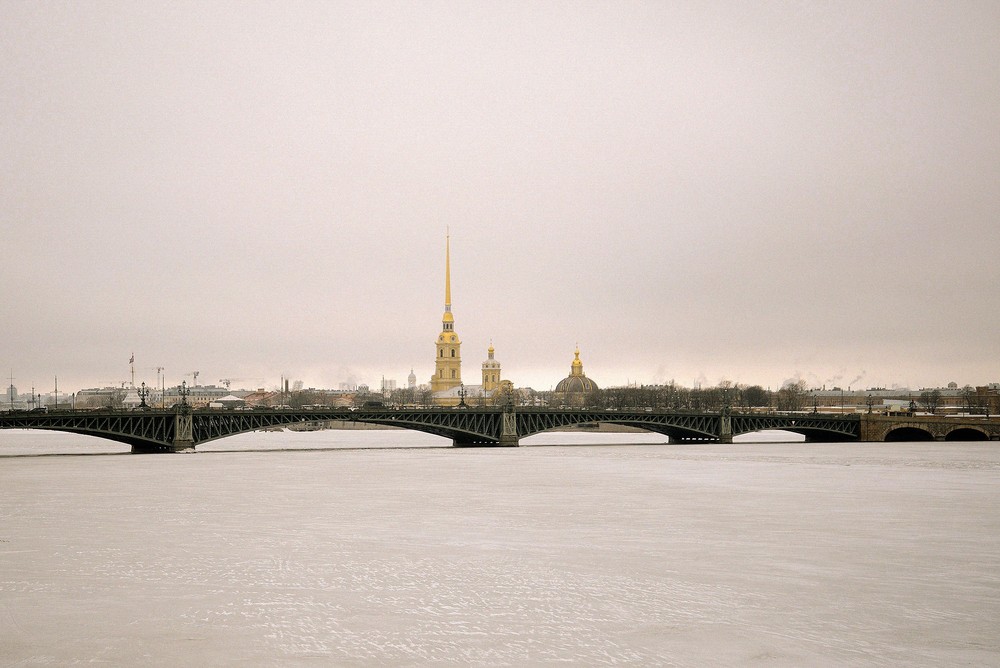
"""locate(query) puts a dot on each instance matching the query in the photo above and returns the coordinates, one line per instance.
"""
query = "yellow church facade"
(447, 388)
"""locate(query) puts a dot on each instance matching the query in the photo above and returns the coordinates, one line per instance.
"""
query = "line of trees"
(793, 396)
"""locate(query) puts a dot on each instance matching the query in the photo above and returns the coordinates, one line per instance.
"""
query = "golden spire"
(447, 272)
(448, 320)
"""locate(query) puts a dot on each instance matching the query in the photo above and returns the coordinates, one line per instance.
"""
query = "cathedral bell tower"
(448, 361)
(491, 371)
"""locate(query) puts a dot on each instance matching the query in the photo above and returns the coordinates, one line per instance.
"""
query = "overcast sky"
(688, 190)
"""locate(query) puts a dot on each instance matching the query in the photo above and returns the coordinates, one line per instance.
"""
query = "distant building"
(943, 400)
(198, 395)
(575, 389)
(228, 402)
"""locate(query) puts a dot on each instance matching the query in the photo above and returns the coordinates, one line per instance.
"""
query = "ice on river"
(356, 553)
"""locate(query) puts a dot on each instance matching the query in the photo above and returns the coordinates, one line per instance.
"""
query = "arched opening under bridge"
(966, 434)
(593, 437)
(769, 436)
(903, 434)
(25, 442)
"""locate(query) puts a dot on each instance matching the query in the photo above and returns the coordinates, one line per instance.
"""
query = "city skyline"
(694, 193)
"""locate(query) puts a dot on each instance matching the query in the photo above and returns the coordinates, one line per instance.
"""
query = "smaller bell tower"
(491, 372)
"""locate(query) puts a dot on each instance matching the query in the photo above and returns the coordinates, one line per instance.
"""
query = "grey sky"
(690, 191)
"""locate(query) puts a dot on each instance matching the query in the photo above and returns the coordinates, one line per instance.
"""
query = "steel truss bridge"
(184, 430)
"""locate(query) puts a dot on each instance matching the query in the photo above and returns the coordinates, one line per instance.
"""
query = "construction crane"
(229, 381)
(194, 383)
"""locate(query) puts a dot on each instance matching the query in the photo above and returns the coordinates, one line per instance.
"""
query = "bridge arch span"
(900, 434)
(814, 427)
(674, 433)
(967, 434)
(479, 428)
(678, 427)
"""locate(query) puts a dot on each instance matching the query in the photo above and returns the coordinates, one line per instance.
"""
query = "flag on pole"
(131, 360)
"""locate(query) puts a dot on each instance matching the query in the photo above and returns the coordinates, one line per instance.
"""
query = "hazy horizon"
(687, 191)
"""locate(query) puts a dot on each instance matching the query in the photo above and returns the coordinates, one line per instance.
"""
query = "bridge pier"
(183, 433)
(725, 427)
(508, 430)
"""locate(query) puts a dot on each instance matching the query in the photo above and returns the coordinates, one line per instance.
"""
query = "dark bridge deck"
(171, 431)
(166, 431)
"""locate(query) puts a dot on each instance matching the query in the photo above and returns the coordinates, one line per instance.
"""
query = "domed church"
(574, 389)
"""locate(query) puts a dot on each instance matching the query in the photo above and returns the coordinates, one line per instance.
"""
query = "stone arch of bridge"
(908, 434)
(967, 434)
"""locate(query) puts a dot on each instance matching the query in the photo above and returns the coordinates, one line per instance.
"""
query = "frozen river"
(342, 548)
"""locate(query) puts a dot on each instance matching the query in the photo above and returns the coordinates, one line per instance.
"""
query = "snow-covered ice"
(349, 551)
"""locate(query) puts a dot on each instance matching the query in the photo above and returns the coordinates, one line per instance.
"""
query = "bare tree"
(930, 399)
(756, 396)
(792, 396)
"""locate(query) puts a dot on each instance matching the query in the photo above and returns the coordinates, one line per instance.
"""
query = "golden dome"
(576, 382)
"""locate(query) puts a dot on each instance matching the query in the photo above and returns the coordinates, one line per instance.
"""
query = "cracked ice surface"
(774, 554)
